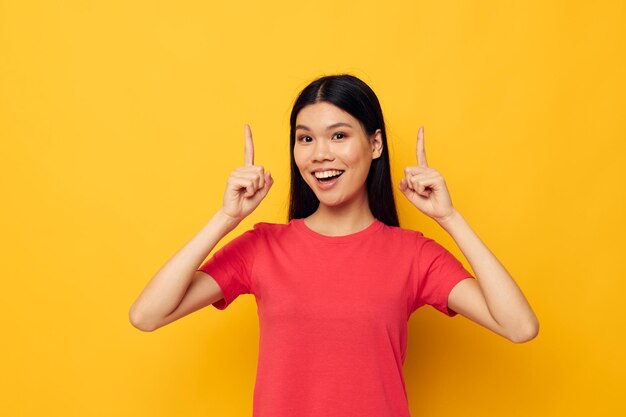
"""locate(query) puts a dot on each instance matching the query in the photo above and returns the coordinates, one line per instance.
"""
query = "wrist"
(449, 220)
(227, 221)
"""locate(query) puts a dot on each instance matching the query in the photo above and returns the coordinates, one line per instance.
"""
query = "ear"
(377, 144)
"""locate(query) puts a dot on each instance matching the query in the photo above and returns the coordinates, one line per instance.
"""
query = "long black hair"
(355, 97)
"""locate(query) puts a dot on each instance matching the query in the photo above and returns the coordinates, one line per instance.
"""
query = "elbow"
(527, 333)
(137, 322)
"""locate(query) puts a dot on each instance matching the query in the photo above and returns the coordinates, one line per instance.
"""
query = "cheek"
(356, 157)
(300, 160)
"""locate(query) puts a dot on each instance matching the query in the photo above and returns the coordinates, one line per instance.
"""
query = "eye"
(304, 139)
(340, 134)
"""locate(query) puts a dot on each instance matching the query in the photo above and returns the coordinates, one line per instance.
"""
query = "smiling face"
(333, 153)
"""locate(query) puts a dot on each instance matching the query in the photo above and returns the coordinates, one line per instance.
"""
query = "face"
(333, 153)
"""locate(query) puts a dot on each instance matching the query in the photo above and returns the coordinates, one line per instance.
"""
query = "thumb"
(406, 190)
(403, 186)
(268, 181)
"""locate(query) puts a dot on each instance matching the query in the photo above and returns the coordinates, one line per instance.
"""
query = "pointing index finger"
(421, 152)
(249, 146)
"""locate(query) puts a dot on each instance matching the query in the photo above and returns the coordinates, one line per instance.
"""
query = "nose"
(322, 151)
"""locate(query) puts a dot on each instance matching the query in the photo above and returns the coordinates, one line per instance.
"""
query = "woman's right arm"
(165, 292)
(178, 288)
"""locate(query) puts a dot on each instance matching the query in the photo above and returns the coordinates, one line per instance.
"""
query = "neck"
(341, 220)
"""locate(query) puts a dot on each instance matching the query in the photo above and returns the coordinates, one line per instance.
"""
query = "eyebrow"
(328, 128)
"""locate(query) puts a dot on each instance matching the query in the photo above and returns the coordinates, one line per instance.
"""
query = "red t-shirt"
(333, 313)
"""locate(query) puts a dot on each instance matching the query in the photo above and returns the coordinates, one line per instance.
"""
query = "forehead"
(322, 114)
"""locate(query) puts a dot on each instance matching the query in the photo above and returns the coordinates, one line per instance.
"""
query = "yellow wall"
(121, 121)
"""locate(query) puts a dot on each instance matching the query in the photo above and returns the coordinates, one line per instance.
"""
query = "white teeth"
(326, 174)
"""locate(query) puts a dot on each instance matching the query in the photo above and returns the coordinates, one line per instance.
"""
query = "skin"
(344, 208)
(493, 300)
(178, 289)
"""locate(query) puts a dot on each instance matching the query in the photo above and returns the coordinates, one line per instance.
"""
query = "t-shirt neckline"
(372, 228)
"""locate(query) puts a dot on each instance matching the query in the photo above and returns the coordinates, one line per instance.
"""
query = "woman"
(336, 285)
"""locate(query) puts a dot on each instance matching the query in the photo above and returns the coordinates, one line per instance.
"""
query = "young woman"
(335, 286)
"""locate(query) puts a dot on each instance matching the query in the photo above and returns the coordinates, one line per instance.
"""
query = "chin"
(329, 200)
(336, 202)
(331, 203)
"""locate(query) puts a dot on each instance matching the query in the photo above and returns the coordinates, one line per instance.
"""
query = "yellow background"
(120, 122)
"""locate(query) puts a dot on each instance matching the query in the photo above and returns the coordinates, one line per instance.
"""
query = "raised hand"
(247, 185)
(425, 187)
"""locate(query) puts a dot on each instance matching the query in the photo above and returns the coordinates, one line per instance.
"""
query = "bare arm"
(178, 288)
(509, 310)
(165, 291)
(493, 300)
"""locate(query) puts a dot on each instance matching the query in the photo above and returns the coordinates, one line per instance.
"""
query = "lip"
(326, 185)
(326, 169)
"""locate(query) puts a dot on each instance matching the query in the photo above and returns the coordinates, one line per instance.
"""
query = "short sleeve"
(437, 273)
(231, 268)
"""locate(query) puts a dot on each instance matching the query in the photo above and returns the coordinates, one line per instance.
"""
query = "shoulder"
(269, 230)
(256, 237)
(395, 232)
(396, 241)
(410, 238)
(258, 231)
(266, 227)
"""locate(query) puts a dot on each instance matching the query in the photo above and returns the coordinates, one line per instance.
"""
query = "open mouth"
(327, 176)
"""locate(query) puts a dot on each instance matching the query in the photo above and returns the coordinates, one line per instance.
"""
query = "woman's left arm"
(493, 300)
(502, 296)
